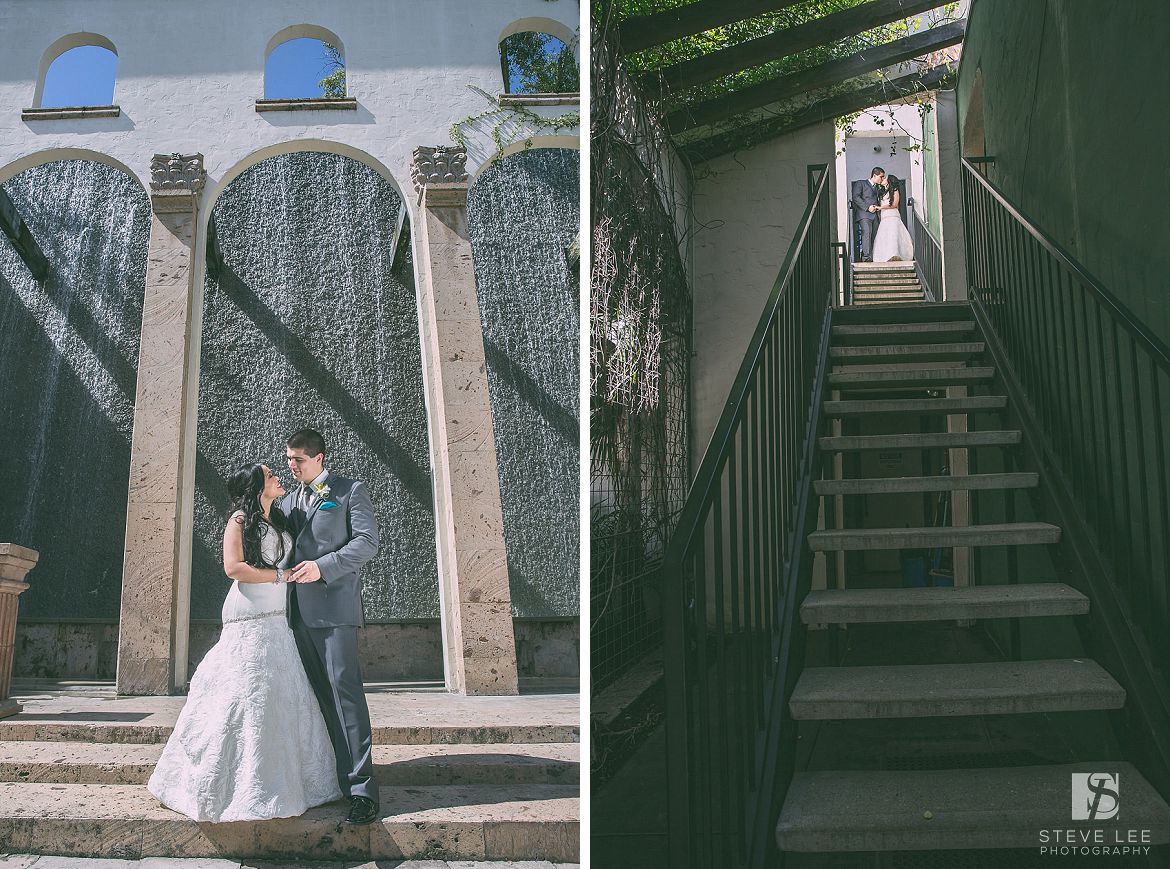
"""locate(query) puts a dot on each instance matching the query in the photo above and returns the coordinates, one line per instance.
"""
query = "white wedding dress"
(250, 743)
(892, 241)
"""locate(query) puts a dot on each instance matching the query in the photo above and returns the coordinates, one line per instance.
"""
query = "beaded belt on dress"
(254, 616)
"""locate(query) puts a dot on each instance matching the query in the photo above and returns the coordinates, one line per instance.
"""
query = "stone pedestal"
(479, 644)
(15, 563)
(153, 625)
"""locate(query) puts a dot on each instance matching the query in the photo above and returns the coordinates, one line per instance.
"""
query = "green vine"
(513, 120)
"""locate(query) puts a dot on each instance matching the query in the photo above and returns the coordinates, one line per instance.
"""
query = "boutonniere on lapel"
(323, 491)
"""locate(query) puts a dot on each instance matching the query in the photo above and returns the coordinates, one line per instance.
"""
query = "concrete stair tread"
(397, 718)
(883, 605)
(929, 440)
(513, 822)
(1010, 534)
(908, 377)
(111, 763)
(925, 690)
(957, 482)
(843, 810)
(904, 352)
(852, 407)
(872, 333)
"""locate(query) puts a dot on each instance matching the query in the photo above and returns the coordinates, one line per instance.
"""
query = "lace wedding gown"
(250, 743)
(892, 241)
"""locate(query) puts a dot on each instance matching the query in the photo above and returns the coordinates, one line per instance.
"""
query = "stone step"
(872, 303)
(907, 352)
(953, 483)
(1007, 807)
(918, 312)
(930, 440)
(884, 605)
(396, 765)
(876, 294)
(929, 690)
(860, 283)
(896, 378)
(475, 822)
(1009, 534)
(893, 333)
(925, 406)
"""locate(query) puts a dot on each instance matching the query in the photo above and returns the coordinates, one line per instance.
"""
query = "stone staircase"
(886, 283)
(898, 359)
(462, 779)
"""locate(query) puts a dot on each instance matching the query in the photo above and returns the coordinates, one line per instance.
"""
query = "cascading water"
(523, 215)
(68, 371)
(309, 320)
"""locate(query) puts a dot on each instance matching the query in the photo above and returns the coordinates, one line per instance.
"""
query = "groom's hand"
(306, 571)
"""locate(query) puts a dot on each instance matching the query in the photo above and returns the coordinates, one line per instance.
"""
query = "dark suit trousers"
(866, 237)
(330, 656)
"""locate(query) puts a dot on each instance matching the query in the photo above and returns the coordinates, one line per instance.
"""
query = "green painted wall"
(1074, 97)
(929, 157)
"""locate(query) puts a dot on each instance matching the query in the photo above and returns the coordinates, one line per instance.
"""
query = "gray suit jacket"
(340, 539)
(864, 195)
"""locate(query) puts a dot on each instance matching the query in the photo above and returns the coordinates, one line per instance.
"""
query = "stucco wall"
(1073, 118)
(188, 78)
(747, 206)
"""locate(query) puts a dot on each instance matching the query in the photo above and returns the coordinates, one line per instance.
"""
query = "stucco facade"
(189, 85)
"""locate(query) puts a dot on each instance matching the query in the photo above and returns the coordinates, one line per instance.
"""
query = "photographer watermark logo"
(1095, 796)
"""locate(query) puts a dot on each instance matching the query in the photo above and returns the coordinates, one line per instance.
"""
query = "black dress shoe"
(362, 810)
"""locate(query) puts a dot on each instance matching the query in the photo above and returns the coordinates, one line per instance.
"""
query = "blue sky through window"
(82, 76)
(295, 68)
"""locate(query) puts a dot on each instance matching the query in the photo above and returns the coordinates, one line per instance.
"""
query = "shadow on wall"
(68, 372)
(310, 321)
(524, 215)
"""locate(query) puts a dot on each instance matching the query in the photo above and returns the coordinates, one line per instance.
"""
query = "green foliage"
(761, 120)
(508, 122)
(539, 63)
(333, 85)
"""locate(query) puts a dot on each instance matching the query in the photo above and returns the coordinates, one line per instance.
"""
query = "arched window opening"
(305, 67)
(538, 63)
(80, 75)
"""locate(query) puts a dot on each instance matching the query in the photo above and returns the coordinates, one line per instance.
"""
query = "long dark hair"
(244, 487)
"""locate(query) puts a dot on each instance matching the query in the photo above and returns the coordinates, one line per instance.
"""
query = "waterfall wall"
(68, 371)
(524, 214)
(309, 320)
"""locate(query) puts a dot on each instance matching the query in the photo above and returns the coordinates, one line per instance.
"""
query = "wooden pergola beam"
(646, 31)
(802, 81)
(935, 78)
(755, 52)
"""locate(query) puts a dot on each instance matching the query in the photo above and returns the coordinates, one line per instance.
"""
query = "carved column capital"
(440, 174)
(176, 182)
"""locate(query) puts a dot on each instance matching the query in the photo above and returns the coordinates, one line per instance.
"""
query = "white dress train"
(250, 743)
(892, 242)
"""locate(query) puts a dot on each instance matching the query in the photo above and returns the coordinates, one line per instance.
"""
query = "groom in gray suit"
(865, 208)
(336, 533)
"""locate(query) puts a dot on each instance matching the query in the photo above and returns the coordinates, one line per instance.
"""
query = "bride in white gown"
(250, 743)
(892, 241)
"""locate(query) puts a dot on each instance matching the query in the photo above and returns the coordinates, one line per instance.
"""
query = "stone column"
(152, 630)
(476, 601)
(950, 187)
(15, 563)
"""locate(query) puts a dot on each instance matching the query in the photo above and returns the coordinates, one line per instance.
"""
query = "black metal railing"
(1091, 385)
(735, 570)
(927, 258)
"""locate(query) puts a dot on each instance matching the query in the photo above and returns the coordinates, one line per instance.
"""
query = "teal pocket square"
(328, 505)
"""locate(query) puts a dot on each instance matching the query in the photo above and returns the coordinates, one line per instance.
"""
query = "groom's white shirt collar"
(320, 478)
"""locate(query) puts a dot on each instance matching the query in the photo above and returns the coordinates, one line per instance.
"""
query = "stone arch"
(72, 339)
(53, 155)
(300, 31)
(59, 47)
(377, 423)
(571, 142)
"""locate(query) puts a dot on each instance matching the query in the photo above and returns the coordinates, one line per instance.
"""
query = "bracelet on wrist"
(279, 576)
